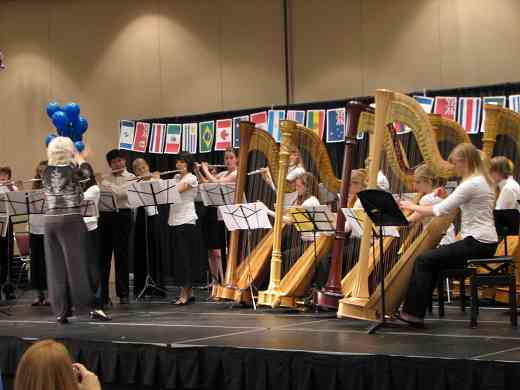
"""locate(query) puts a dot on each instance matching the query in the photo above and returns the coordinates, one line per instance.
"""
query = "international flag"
(142, 132)
(469, 114)
(223, 134)
(514, 103)
(425, 102)
(206, 135)
(173, 138)
(189, 137)
(446, 106)
(336, 125)
(273, 123)
(126, 134)
(260, 119)
(296, 115)
(157, 138)
(316, 121)
(236, 129)
(496, 100)
(401, 128)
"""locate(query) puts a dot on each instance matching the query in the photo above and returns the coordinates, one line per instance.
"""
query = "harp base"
(226, 292)
(358, 308)
(269, 298)
(327, 298)
(243, 296)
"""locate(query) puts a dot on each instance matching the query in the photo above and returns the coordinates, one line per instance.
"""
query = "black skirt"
(186, 256)
(38, 270)
(213, 230)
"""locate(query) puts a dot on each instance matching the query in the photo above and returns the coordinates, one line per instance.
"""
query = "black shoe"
(99, 315)
(124, 301)
(62, 320)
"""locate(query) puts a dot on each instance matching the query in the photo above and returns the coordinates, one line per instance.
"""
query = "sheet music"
(88, 208)
(354, 221)
(3, 204)
(247, 216)
(313, 219)
(4, 222)
(217, 194)
(153, 193)
(25, 202)
(410, 196)
(107, 200)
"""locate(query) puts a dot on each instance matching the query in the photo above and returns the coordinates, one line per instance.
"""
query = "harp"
(288, 290)
(502, 138)
(360, 286)
(249, 253)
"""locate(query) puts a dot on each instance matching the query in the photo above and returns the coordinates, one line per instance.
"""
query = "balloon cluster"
(68, 123)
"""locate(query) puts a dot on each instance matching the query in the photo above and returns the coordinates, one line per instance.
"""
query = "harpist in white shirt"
(475, 197)
(501, 171)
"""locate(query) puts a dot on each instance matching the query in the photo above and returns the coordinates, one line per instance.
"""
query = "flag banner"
(142, 132)
(273, 123)
(296, 115)
(401, 128)
(425, 102)
(316, 121)
(336, 125)
(260, 119)
(172, 144)
(446, 106)
(469, 114)
(236, 129)
(126, 134)
(223, 134)
(157, 138)
(206, 135)
(514, 103)
(496, 100)
(189, 137)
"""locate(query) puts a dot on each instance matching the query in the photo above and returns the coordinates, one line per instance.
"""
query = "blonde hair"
(425, 173)
(311, 187)
(46, 365)
(501, 165)
(474, 160)
(61, 151)
(138, 161)
(359, 175)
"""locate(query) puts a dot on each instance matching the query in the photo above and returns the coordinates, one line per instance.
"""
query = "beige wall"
(146, 58)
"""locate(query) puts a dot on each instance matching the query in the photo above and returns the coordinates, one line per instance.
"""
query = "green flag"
(206, 135)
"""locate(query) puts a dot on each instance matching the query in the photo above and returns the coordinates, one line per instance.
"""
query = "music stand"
(151, 194)
(107, 200)
(249, 217)
(316, 220)
(383, 210)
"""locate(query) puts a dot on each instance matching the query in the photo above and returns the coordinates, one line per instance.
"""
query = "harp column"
(271, 297)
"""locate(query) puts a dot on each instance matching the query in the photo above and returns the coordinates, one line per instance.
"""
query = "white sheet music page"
(247, 216)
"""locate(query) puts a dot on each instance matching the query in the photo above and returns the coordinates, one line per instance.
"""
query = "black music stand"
(383, 210)
(316, 220)
(249, 217)
(151, 194)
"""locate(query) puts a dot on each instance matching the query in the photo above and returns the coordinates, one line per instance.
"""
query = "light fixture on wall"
(2, 63)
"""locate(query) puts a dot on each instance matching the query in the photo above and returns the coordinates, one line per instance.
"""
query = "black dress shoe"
(62, 320)
(99, 315)
(124, 301)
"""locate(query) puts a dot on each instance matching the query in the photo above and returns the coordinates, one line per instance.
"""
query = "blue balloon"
(49, 138)
(72, 111)
(81, 125)
(66, 131)
(52, 107)
(74, 136)
(60, 120)
(80, 146)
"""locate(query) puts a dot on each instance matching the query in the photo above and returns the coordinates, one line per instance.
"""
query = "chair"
(460, 274)
(497, 270)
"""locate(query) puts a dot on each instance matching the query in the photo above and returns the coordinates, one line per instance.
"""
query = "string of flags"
(330, 125)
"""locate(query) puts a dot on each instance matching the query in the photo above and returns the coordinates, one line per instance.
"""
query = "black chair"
(459, 274)
(497, 270)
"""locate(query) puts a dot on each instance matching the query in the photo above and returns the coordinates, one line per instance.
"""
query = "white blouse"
(184, 212)
(430, 200)
(93, 194)
(509, 194)
(476, 200)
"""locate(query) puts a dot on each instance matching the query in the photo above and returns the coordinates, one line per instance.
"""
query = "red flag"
(446, 107)
(142, 132)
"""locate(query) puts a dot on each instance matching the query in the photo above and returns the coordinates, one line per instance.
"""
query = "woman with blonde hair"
(47, 365)
(475, 197)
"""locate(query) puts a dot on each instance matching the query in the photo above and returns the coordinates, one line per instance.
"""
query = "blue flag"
(336, 125)
(273, 123)
(236, 129)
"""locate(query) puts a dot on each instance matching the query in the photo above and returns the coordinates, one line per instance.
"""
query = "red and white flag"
(470, 109)
(142, 132)
(173, 138)
(259, 119)
(157, 138)
(223, 134)
(446, 106)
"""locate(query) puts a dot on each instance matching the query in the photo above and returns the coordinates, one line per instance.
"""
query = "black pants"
(428, 265)
(94, 266)
(6, 252)
(154, 250)
(114, 231)
(38, 271)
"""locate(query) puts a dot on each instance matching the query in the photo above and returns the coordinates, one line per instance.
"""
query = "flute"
(150, 175)
(212, 165)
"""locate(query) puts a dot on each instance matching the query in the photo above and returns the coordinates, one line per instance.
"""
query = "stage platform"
(216, 345)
